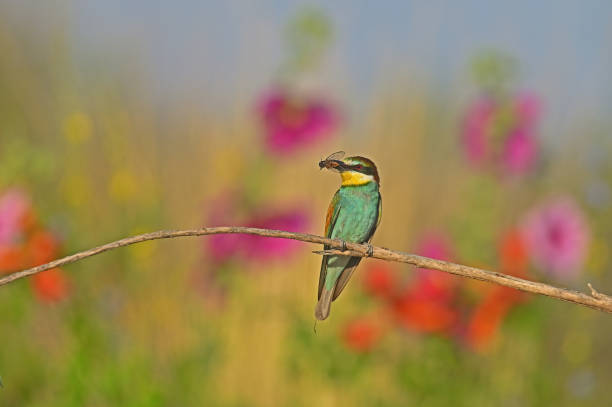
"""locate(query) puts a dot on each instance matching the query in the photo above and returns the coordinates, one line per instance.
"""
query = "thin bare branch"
(596, 300)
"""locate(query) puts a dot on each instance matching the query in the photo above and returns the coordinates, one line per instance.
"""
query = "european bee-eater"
(353, 216)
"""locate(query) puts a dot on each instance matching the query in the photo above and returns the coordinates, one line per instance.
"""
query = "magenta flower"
(291, 122)
(502, 133)
(14, 207)
(557, 236)
(520, 151)
(434, 284)
(224, 211)
(435, 246)
(475, 130)
(528, 108)
(265, 248)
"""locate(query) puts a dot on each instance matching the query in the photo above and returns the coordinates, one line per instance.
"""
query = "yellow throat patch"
(355, 178)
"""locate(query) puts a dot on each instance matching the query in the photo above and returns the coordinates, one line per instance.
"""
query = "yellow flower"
(122, 186)
(227, 164)
(77, 127)
(76, 189)
(142, 253)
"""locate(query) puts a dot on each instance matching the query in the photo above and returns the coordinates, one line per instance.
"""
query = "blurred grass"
(100, 163)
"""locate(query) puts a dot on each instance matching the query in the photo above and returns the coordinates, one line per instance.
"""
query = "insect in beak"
(332, 162)
(334, 165)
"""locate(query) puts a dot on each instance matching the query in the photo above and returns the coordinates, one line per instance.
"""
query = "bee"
(332, 162)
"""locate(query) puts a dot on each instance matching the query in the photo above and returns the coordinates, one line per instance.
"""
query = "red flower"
(380, 280)
(361, 335)
(42, 247)
(427, 305)
(424, 314)
(24, 243)
(50, 285)
(431, 302)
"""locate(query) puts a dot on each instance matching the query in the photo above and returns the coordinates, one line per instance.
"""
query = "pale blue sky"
(222, 50)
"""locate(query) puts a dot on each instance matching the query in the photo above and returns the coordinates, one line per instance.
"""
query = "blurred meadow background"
(490, 126)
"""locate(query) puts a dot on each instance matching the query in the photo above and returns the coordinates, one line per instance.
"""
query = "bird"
(353, 216)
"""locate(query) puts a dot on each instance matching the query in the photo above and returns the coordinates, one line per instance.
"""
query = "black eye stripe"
(362, 169)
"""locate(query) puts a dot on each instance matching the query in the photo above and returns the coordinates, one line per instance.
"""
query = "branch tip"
(598, 295)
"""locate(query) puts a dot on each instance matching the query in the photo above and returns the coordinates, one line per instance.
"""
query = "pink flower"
(502, 133)
(292, 122)
(528, 108)
(557, 236)
(14, 208)
(266, 248)
(224, 211)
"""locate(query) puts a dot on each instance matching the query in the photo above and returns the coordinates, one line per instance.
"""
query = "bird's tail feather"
(324, 304)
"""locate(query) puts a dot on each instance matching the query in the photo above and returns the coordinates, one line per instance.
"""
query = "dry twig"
(596, 300)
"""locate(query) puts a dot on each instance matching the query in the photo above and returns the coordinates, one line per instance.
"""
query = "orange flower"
(11, 258)
(488, 316)
(29, 220)
(361, 335)
(513, 254)
(50, 285)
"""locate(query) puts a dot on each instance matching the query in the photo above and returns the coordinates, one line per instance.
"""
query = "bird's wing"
(378, 218)
(330, 221)
(354, 261)
(332, 214)
(345, 276)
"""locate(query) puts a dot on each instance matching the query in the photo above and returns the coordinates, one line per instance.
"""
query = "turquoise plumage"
(353, 216)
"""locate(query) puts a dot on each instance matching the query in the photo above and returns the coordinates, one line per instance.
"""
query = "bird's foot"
(344, 248)
(370, 251)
